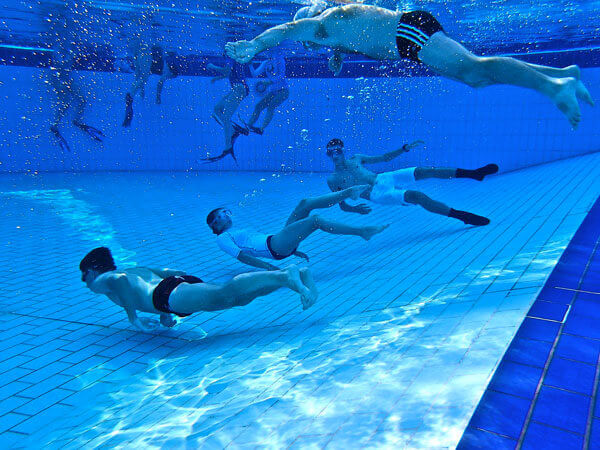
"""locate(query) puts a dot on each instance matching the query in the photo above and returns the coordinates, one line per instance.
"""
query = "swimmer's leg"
(287, 240)
(258, 109)
(62, 142)
(422, 173)
(239, 291)
(143, 62)
(419, 198)
(231, 102)
(280, 96)
(306, 205)
(452, 60)
(128, 110)
(93, 132)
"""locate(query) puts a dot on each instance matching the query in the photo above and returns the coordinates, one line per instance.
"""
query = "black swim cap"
(99, 259)
(335, 143)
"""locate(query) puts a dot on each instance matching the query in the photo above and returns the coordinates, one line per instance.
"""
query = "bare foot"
(295, 283)
(566, 100)
(308, 281)
(369, 232)
(355, 191)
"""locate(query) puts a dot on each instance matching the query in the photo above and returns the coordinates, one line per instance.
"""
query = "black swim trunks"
(276, 255)
(160, 296)
(414, 30)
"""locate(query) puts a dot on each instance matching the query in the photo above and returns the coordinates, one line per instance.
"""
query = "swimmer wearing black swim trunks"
(383, 34)
(171, 292)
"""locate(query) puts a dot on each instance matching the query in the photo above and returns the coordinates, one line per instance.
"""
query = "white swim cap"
(311, 11)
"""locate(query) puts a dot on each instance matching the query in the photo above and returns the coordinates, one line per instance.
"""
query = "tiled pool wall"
(545, 388)
(460, 125)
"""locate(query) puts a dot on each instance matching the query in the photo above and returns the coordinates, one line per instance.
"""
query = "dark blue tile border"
(551, 367)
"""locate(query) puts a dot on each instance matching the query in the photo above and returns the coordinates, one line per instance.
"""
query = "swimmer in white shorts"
(248, 246)
(396, 188)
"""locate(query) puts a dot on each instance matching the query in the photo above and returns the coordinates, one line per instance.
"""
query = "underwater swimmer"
(68, 94)
(383, 34)
(166, 292)
(247, 246)
(151, 61)
(394, 188)
(226, 107)
(274, 92)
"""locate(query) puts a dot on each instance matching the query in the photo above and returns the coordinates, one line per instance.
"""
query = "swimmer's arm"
(366, 159)
(141, 323)
(259, 70)
(245, 258)
(300, 30)
(361, 208)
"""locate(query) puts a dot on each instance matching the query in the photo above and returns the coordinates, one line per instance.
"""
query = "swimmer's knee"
(414, 197)
(303, 205)
(316, 220)
(475, 71)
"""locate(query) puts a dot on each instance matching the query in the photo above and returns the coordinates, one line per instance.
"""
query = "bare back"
(137, 292)
(352, 174)
(364, 29)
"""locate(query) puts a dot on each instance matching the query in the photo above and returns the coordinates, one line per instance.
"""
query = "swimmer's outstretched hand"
(415, 144)
(147, 324)
(361, 208)
(241, 51)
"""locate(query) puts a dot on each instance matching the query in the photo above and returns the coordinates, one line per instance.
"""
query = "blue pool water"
(432, 334)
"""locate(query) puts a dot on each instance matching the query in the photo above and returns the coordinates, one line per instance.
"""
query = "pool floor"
(396, 353)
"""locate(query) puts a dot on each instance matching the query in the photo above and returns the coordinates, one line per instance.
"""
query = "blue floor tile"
(587, 308)
(529, 352)
(582, 326)
(500, 413)
(478, 439)
(562, 409)
(550, 294)
(578, 348)
(540, 330)
(549, 438)
(571, 375)
(548, 310)
(516, 379)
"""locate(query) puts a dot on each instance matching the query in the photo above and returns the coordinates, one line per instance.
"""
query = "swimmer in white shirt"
(248, 245)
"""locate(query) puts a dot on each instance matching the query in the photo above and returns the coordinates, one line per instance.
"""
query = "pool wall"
(460, 125)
